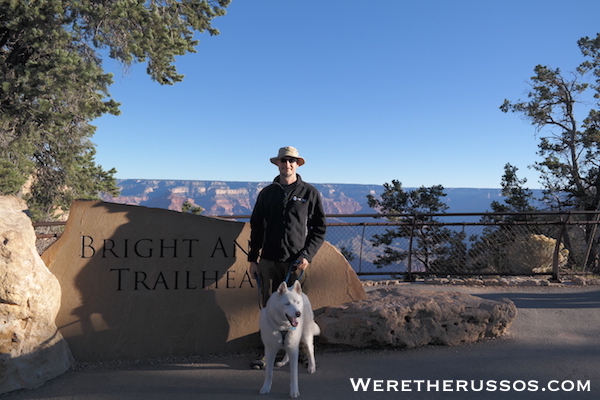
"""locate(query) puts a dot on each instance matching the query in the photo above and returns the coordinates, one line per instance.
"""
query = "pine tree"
(569, 146)
(517, 198)
(53, 84)
(432, 243)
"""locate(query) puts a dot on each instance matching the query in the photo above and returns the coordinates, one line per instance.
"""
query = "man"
(287, 225)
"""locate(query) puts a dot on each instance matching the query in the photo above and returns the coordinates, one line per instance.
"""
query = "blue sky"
(368, 91)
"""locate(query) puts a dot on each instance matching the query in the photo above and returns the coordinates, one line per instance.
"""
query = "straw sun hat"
(288, 152)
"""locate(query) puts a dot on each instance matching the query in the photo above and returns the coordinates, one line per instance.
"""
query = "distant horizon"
(219, 197)
(308, 181)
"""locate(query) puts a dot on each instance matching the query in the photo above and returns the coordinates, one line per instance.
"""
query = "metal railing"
(474, 244)
(46, 233)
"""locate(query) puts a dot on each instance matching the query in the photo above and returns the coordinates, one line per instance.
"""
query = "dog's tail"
(315, 329)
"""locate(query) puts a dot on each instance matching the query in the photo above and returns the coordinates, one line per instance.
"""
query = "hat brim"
(300, 160)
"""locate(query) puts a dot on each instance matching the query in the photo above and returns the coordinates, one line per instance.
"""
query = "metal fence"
(475, 244)
(47, 233)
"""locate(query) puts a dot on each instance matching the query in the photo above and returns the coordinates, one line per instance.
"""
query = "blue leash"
(293, 266)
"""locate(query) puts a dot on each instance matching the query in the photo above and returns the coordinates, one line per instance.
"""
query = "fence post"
(555, 273)
(591, 239)
(408, 277)
(360, 256)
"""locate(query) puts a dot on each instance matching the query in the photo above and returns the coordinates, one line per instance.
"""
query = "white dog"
(286, 319)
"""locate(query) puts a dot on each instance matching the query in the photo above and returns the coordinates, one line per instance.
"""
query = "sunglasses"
(291, 160)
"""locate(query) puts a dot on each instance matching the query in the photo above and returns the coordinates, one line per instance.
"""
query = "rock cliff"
(231, 198)
(238, 198)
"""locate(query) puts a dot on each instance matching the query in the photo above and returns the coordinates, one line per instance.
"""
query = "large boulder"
(32, 350)
(535, 254)
(406, 318)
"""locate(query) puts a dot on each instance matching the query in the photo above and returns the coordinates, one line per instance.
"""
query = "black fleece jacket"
(283, 229)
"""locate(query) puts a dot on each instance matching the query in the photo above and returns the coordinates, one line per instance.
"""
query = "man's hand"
(302, 264)
(253, 270)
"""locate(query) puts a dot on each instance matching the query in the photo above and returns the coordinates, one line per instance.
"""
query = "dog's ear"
(297, 287)
(282, 289)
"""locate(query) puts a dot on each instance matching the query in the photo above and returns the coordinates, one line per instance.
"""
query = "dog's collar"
(284, 333)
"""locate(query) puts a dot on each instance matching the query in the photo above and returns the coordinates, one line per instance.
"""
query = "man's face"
(287, 166)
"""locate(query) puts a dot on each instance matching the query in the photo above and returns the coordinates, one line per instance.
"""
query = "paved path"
(554, 341)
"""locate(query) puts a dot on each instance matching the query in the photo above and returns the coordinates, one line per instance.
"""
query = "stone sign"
(142, 282)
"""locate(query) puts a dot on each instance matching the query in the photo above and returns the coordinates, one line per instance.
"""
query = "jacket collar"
(298, 182)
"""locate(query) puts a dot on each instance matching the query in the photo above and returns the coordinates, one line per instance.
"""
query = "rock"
(491, 282)
(32, 350)
(529, 282)
(408, 318)
(504, 282)
(474, 282)
(580, 280)
(535, 253)
(436, 281)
